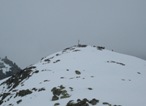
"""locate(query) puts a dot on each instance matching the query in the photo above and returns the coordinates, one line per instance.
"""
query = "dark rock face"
(23, 92)
(17, 78)
(83, 102)
(11, 70)
(59, 93)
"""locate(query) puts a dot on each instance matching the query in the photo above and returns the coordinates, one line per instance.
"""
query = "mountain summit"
(7, 68)
(78, 76)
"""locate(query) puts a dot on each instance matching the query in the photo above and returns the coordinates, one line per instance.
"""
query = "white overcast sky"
(31, 29)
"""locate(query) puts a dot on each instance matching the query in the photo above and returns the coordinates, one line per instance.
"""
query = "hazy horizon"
(32, 29)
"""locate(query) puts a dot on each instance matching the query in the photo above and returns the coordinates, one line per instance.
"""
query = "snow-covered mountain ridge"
(7, 68)
(78, 76)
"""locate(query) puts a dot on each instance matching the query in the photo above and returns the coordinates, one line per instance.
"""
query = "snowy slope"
(103, 77)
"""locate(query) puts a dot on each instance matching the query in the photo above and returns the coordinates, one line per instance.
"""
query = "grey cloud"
(31, 29)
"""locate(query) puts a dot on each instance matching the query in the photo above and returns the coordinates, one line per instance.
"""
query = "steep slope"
(7, 68)
(78, 76)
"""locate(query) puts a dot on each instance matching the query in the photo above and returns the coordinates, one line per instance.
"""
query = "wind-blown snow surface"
(85, 72)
